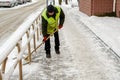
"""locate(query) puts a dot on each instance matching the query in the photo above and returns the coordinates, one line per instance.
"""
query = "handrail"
(29, 28)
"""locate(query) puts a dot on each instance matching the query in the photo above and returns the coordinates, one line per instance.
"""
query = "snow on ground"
(90, 56)
(107, 29)
(83, 56)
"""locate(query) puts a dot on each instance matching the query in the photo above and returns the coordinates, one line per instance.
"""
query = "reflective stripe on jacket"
(52, 23)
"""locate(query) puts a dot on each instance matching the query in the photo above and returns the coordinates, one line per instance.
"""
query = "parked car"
(8, 3)
(20, 1)
(29, 0)
(24, 1)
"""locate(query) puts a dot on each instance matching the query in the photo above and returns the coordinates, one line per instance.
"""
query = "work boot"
(57, 51)
(48, 55)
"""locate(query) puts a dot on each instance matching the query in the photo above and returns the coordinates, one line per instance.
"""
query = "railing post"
(4, 65)
(66, 1)
(34, 40)
(40, 27)
(20, 62)
(60, 2)
(46, 2)
(0, 76)
(37, 35)
(37, 30)
(29, 48)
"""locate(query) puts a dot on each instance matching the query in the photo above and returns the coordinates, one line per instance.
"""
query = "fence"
(30, 30)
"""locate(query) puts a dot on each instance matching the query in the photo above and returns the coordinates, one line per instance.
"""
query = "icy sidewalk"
(83, 56)
(93, 59)
(59, 67)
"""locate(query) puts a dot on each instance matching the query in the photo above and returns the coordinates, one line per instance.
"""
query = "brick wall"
(118, 8)
(85, 6)
(96, 7)
(101, 7)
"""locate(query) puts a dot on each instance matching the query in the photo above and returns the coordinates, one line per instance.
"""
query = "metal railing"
(24, 38)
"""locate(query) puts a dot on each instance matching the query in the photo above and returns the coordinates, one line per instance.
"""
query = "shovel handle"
(26, 58)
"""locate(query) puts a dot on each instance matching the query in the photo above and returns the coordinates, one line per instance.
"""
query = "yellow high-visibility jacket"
(52, 22)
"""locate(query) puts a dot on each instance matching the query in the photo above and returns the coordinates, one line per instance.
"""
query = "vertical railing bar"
(29, 48)
(37, 35)
(40, 29)
(40, 25)
(37, 22)
(20, 62)
(34, 40)
(4, 65)
(0, 76)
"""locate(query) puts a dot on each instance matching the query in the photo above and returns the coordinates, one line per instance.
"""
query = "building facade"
(96, 7)
(85, 6)
(118, 8)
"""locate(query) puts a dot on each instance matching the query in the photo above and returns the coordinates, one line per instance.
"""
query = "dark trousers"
(57, 43)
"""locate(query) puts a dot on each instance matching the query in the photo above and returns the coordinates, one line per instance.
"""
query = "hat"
(50, 8)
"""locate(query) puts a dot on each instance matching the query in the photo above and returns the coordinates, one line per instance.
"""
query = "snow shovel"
(26, 58)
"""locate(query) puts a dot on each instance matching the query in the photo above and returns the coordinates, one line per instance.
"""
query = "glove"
(59, 26)
(44, 39)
